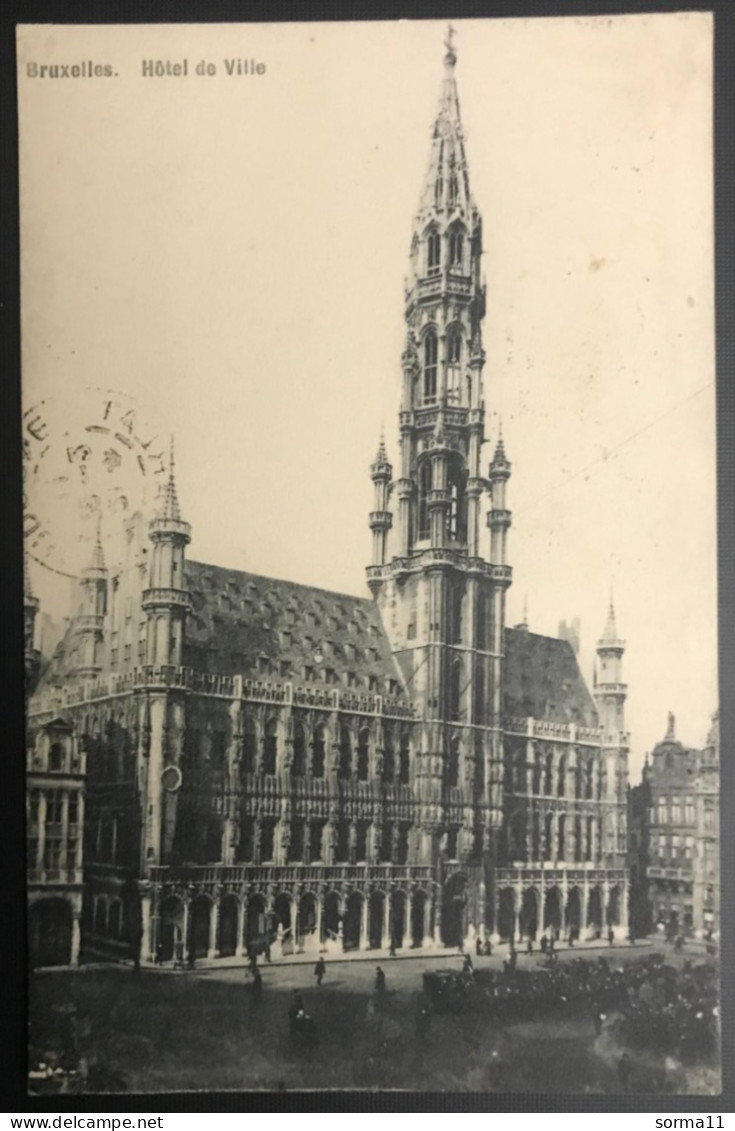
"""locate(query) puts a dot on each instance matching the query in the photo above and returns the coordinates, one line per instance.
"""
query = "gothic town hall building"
(269, 764)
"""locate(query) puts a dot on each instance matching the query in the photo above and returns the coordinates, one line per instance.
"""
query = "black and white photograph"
(370, 562)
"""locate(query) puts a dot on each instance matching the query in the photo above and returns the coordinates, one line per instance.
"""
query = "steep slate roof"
(542, 679)
(251, 625)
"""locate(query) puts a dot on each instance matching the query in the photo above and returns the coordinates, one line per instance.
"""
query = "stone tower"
(610, 694)
(442, 604)
(162, 720)
(90, 622)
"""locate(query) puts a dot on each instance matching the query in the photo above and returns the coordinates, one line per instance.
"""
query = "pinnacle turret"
(168, 506)
(447, 187)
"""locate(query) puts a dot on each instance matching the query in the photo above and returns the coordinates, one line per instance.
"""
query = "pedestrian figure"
(478, 947)
(159, 954)
(467, 967)
(610, 935)
(253, 962)
(257, 987)
(488, 949)
(268, 952)
(191, 960)
(379, 981)
(529, 945)
(320, 970)
(392, 951)
(544, 944)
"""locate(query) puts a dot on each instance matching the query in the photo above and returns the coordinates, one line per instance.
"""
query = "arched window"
(457, 517)
(561, 837)
(318, 752)
(456, 248)
(455, 689)
(430, 368)
(453, 763)
(562, 772)
(249, 745)
(389, 760)
(433, 251)
(589, 778)
(536, 773)
(536, 836)
(425, 479)
(404, 769)
(56, 756)
(270, 747)
(363, 754)
(549, 774)
(345, 753)
(299, 751)
(549, 836)
(454, 366)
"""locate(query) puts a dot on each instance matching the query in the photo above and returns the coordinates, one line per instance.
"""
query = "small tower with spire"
(498, 518)
(166, 599)
(31, 606)
(90, 620)
(381, 519)
(610, 694)
(610, 691)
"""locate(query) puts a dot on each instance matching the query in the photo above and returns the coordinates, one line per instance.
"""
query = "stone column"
(213, 945)
(364, 937)
(437, 918)
(65, 829)
(427, 940)
(75, 936)
(294, 922)
(185, 930)
(605, 906)
(319, 912)
(241, 922)
(148, 926)
(41, 848)
(387, 922)
(583, 902)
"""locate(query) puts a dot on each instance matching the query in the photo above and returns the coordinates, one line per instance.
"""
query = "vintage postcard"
(370, 589)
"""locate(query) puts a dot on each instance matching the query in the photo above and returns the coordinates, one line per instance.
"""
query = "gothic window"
(520, 771)
(56, 756)
(452, 838)
(361, 840)
(549, 836)
(270, 747)
(456, 247)
(589, 778)
(246, 847)
(549, 774)
(318, 752)
(386, 841)
(267, 839)
(363, 754)
(561, 845)
(454, 365)
(433, 251)
(577, 838)
(404, 769)
(218, 750)
(590, 838)
(402, 845)
(562, 772)
(389, 761)
(430, 368)
(536, 789)
(536, 836)
(296, 843)
(342, 848)
(423, 509)
(316, 830)
(299, 751)
(453, 763)
(345, 753)
(455, 689)
(249, 745)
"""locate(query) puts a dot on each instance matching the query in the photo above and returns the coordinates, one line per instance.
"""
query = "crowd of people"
(653, 1005)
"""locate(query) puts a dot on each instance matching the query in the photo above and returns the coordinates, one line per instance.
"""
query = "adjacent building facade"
(270, 761)
(681, 835)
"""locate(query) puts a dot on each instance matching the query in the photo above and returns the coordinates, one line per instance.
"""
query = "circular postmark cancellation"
(89, 462)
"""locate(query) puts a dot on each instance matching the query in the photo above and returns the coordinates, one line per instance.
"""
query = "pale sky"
(228, 254)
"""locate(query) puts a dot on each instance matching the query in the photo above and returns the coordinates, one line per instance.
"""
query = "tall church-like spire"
(441, 601)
